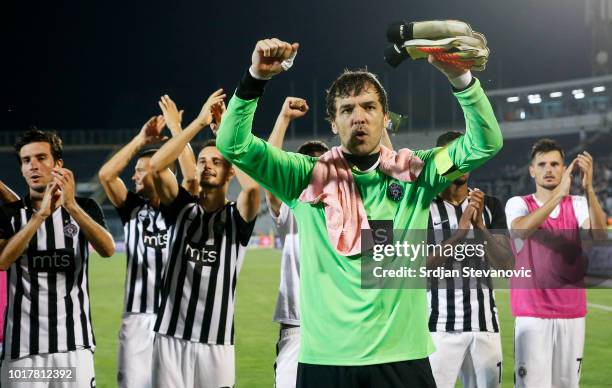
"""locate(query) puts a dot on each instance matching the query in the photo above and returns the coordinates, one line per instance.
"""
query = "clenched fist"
(294, 108)
(269, 55)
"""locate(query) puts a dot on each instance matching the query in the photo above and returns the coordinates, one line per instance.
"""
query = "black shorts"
(401, 374)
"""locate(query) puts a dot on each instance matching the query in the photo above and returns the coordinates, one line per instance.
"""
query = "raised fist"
(269, 55)
(294, 108)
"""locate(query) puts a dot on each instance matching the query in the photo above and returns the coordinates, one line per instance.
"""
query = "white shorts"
(287, 350)
(548, 352)
(52, 363)
(475, 357)
(135, 350)
(178, 363)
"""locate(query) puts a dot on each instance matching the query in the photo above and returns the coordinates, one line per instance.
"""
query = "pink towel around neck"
(332, 183)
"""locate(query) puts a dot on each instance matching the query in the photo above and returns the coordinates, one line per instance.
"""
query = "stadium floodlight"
(513, 99)
(577, 91)
(534, 98)
(579, 96)
(599, 89)
(556, 94)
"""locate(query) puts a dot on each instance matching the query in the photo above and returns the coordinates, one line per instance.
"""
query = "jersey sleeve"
(481, 141)
(171, 211)
(284, 174)
(244, 229)
(581, 209)
(132, 201)
(94, 210)
(515, 208)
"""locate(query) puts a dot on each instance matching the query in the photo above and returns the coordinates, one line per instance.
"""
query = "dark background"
(103, 65)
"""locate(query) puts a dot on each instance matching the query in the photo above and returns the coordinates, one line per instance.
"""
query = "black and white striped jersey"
(205, 254)
(146, 248)
(462, 304)
(48, 287)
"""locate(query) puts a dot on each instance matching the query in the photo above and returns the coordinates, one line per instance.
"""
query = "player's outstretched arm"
(292, 108)
(6, 194)
(99, 238)
(12, 246)
(284, 174)
(524, 226)
(248, 200)
(482, 138)
(187, 161)
(165, 181)
(596, 222)
(458, 236)
(109, 173)
(496, 245)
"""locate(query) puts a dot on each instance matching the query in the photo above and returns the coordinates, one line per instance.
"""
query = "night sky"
(101, 64)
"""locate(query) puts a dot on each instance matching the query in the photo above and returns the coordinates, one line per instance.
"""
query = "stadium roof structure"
(529, 89)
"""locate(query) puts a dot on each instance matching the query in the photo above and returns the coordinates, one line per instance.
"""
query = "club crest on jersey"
(395, 192)
(71, 230)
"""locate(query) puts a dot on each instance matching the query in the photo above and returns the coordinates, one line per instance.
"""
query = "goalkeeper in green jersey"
(383, 331)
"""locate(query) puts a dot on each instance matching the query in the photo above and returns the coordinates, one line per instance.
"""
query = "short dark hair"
(543, 146)
(352, 83)
(213, 143)
(34, 135)
(313, 146)
(447, 137)
(149, 152)
(210, 143)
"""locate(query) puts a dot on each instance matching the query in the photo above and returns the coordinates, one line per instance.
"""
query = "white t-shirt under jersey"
(288, 300)
(516, 207)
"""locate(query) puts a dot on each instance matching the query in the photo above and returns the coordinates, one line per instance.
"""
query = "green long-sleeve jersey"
(342, 323)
